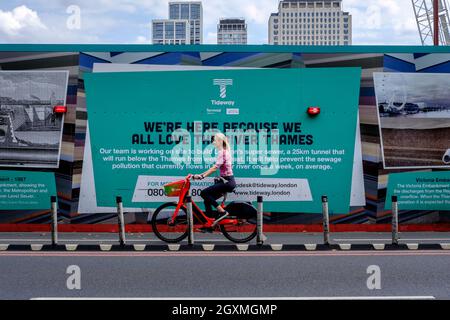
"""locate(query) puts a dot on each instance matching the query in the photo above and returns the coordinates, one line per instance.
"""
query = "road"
(419, 274)
(219, 274)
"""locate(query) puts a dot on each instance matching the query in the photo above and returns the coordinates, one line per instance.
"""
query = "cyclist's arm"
(219, 162)
(210, 171)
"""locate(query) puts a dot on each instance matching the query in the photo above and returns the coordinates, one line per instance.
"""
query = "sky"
(414, 87)
(129, 21)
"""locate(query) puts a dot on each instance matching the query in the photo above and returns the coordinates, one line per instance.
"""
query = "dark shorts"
(214, 192)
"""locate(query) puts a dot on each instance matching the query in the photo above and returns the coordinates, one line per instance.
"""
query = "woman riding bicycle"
(225, 184)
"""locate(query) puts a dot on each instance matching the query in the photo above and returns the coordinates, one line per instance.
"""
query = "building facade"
(310, 22)
(193, 13)
(171, 31)
(232, 31)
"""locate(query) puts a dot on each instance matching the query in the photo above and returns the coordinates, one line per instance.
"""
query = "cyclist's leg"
(230, 185)
(210, 195)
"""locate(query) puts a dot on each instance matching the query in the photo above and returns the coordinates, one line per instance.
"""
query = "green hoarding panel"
(132, 117)
(21, 190)
(420, 190)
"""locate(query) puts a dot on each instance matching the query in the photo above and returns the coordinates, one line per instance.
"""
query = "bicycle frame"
(196, 211)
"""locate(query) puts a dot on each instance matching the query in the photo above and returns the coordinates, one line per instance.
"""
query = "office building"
(310, 22)
(171, 31)
(191, 11)
(232, 31)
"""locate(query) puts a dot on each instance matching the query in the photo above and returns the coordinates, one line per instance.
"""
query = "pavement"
(217, 238)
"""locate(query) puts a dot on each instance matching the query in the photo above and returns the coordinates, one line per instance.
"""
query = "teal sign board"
(151, 128)
(20, 190)
(420, 190)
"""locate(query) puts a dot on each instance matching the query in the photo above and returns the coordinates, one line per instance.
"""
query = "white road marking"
(402, 239)
(243, 254)
(256, 298)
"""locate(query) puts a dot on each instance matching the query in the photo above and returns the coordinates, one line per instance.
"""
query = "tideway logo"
(223, 85)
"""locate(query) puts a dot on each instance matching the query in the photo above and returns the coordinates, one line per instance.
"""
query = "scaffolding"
(423, 9)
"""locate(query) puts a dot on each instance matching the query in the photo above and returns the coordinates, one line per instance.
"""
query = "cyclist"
(225, 183)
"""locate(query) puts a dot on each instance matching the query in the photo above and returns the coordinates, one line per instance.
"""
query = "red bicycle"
(169, 221)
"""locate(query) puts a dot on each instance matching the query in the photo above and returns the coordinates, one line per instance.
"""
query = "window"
(158, 30)
(184, 14)
(169, 30)
(174, 11)
(195, 11)
(180, 30)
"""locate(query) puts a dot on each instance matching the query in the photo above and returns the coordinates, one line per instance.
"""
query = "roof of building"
(184, 2)
(311, 1)
(232, 20)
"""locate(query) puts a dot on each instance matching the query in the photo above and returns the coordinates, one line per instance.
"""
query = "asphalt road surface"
(164, 274)
(344, 275)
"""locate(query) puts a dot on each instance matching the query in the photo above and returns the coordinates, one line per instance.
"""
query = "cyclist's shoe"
(206, 230)
(220, 217)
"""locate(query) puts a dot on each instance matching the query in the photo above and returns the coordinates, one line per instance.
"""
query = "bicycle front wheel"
(167, 230)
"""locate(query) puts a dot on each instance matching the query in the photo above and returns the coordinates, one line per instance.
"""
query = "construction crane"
(426, 11)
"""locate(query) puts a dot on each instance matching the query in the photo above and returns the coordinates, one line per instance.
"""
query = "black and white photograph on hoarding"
(30, 131)
(414, 119)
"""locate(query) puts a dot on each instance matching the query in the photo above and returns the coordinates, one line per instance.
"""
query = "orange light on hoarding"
(313, 111)
(60, 109)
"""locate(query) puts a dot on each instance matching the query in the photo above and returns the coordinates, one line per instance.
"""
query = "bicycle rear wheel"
(245, 229)
(170, 233)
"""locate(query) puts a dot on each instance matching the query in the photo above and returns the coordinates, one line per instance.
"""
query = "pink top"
(224, 163)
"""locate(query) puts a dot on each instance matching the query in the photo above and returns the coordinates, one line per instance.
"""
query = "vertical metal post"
(121, 221)
(54, 211)
(326, 220)
(436, 22)
(259, 221)
(394, 220)
(190, 220)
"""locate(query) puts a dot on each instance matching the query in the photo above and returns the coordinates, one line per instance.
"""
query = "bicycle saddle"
(225, 194)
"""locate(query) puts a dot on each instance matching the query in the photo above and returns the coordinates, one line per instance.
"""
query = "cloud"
(12, 23)
(24, 25)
